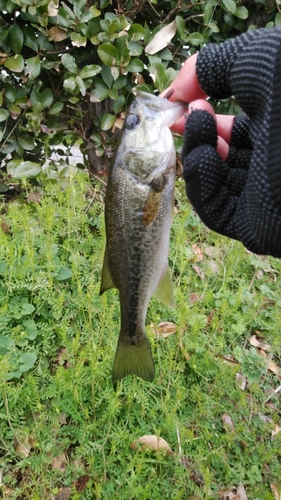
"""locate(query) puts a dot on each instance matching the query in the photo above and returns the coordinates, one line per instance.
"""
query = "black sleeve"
(248, 67)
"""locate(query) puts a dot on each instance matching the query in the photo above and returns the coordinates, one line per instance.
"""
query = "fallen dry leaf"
(56, 34)
(5, 228)
(22, 445)
(194, 297)
(255, 342)
(63, 494)
(198, 253)
(165, 329)
(214, 268)
(151, 442)
(195, 474)
(58, 462)
(276, 490)
(234, 493)
(228, 423)
(81, 483)
(34, 197)
(241, 381)
(273, 367)
(198, 271)
(161, 39)
(275, 431)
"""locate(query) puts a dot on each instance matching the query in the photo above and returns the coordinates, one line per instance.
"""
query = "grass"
(64, 432)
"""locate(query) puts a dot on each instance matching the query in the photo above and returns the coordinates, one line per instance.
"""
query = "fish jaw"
(168, 112)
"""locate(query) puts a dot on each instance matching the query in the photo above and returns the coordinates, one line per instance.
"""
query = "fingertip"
(203, 105)
(225, 126)
(222, 148)
(186, 86)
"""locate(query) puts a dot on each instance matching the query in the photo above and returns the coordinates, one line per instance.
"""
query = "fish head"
(146, 133)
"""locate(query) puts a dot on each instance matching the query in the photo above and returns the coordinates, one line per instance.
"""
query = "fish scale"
(138, 216)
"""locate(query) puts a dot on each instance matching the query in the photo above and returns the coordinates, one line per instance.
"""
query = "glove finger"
(200, 129)
(205, 176)
(240, 133)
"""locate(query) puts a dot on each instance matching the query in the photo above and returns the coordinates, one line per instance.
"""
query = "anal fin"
(164, 291)
(106, 279)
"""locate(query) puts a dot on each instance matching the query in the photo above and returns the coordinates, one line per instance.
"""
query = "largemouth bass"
(138, 216)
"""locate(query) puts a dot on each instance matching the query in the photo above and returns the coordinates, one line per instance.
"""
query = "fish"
(138, 216)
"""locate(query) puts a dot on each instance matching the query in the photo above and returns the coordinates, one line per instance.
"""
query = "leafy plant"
(64, 431)
(68, 68)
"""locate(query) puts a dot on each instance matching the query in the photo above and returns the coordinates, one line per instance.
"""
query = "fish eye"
(131, 121)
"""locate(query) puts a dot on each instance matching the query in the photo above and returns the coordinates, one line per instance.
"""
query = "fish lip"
(171, 111)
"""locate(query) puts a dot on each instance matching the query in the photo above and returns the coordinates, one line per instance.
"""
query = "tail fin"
(134, 360)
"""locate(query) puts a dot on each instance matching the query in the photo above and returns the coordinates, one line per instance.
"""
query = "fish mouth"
(170, 111)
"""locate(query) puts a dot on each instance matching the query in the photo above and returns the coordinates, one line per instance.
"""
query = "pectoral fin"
(164, 291)
(151, 206)
(106, 280)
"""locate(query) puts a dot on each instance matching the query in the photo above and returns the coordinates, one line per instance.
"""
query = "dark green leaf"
(14, 110)
(241, 12)
(78, 7)
(15, 38)
(108, 54)
(31, 328)
(46, 98)
(229, 5)
(3, 35)
(90, 70)
(64, 273)
(15, 63)
(135, 48)
(99, 93)
(26, 143)
(33, 67)
(30, 40)
(107, 121)
(70, 84)
(135, 66)
(195, 39)
(181, 28)
(27, 360)
(78, 40)
(4, 114)
(27, 309)
(6, 344)
(56, 108)
(106, 74)
(121, 45)
(26, 169)
(81, 85)
(69, 63)
(278, 19)
(136, 32)
(118, 104)
(10, 92)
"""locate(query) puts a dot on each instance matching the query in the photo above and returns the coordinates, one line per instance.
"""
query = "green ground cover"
(64, 432)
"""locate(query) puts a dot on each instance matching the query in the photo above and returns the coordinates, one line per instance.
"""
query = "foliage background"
(68, 68)
(67, 71)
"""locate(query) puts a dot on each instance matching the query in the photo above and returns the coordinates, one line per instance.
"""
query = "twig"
(173, 11)
(179, 441)
(273, 394)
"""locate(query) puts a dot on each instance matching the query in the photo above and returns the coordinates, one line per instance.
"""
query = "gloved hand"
(241, 197)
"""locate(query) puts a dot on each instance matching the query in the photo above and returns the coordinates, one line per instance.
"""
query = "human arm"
(239, 197)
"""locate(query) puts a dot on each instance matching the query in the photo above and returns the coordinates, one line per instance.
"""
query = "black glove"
(240, 198)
